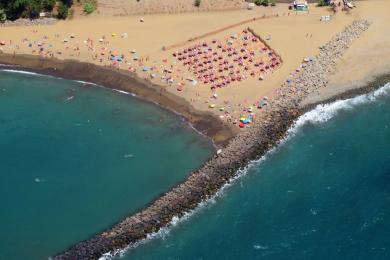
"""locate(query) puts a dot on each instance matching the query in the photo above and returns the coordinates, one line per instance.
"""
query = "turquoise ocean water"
(75, 159)
(322, 194)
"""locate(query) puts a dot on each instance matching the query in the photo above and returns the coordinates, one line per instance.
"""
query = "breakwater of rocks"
(252, 143)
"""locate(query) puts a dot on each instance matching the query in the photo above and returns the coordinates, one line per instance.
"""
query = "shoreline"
(371, 85)
(267, 131)
(369, 88)
(203, 122)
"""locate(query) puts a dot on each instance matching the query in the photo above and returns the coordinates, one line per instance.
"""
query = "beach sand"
(293, 36)
(124, 7)
(367, 59)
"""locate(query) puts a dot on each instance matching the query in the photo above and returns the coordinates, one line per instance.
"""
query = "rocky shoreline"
(251, 144)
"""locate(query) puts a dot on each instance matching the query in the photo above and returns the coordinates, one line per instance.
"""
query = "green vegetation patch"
(15, 9)
(63, 11)
(90, 7)
(264, 2)
(197, 3)
(323, 3)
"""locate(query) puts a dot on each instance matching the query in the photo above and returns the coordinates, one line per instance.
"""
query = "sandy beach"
(251, 69)
(366, 60)
(292, 35)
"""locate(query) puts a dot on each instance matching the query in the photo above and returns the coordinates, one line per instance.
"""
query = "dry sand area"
(293, 37)
(368, 57)
(126, 7)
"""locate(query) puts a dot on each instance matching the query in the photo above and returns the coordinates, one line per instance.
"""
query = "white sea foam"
(260, 247)
(78, 81)
(124, 92)
(320, 114)
(20, 72)
(86, 83)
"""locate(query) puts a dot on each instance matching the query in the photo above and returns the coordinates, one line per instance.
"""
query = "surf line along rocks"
(250, 144)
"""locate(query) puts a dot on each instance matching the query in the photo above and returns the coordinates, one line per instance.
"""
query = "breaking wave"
(78, 81)
(319, 115)
(324, 112)
(20, 71)
(124, 92)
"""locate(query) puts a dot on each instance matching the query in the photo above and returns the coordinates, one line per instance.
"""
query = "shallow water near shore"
(322, 194)
(76, 158)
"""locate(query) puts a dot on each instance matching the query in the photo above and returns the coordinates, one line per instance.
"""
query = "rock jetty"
(250, 144)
